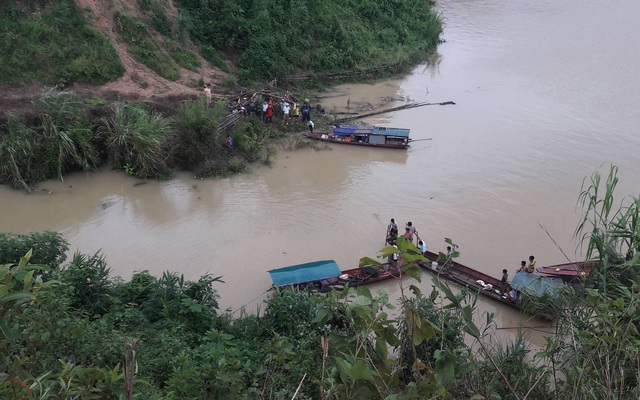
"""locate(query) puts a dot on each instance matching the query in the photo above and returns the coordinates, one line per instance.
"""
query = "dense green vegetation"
(261, 39)
(51, 43)
(67, 134)
(66, 333)
(275, 39)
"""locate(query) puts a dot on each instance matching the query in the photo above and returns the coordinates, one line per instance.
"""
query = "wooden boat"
(322, 276)
(365, 135)
(490, 286)
(569, 271)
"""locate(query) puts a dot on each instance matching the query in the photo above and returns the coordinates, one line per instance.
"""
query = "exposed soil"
(138, 83)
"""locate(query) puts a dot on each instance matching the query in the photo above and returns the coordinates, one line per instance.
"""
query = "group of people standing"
(289, 112)
(409, 232)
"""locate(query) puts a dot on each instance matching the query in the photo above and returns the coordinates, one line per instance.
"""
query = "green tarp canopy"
(313, 271)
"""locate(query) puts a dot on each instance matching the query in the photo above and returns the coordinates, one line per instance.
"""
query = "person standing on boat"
(392, 229)
(411, 231)
(423, 247)
(505, 281)
(393, 258)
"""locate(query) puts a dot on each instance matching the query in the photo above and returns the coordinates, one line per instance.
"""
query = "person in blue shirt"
(229, 144)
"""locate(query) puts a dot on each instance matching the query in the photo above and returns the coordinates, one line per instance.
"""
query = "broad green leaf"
(17, 297)
(360, 370)
(321, 316)
(449, 294)
(381, 349)
(369, 261)
(416, 290)
(364, 291)
(7, 331)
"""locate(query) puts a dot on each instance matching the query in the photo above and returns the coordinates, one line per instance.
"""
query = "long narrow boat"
(365, 135)
(321, 276)
(569, 271)
(490, 286)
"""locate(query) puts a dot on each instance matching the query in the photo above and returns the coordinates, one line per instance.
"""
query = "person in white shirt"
(286, 109)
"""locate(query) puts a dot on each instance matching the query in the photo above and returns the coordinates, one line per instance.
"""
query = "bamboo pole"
(399, 108)
(130, 366)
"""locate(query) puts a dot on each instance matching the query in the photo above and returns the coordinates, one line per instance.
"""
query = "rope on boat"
(251, 301)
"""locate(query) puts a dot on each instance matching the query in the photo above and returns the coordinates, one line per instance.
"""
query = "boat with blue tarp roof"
(365, 135)
(321, 276)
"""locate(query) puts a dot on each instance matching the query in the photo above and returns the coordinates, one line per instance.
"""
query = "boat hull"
(479, 282)
(329, 138)
(569, 271)
(468, 277)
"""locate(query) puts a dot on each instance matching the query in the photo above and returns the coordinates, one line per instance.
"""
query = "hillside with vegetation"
(144, 48)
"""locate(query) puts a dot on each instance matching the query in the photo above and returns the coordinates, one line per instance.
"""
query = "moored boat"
(489, 286)
(321, 276)
(569, 271)
(365, 135)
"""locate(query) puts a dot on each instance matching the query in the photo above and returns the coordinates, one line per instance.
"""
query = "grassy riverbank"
(67, 133)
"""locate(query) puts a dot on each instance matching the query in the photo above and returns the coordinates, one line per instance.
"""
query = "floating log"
(386, 110)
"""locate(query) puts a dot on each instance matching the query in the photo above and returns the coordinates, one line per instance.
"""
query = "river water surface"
(546, 92)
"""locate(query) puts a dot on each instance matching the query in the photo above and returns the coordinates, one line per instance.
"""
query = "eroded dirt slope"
(138, 83)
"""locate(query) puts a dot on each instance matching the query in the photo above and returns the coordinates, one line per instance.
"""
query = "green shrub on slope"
(53, 45)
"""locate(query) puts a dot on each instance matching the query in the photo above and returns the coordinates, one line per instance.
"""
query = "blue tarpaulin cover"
(382, 130)
(313, 271)
(535, 284)
(348, 130)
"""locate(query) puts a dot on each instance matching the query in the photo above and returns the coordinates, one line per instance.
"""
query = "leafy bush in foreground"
(48, 248)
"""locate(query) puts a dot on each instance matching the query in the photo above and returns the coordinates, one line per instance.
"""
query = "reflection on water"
(538, 108)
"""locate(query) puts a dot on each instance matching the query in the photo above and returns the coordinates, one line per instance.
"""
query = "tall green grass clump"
(17, 164)
(50, 42)
(67, 133)
(136, 140)
(194, 126)
(60, 139)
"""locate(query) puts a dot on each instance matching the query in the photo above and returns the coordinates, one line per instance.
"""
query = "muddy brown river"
(546, 92)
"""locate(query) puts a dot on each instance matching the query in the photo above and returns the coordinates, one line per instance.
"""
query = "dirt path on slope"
(139, 83)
